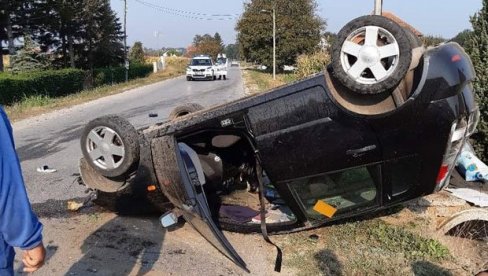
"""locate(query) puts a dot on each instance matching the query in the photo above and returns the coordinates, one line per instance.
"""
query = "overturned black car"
(382, 125)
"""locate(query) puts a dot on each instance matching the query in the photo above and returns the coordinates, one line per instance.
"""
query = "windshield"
(221, 60)
(201, 62)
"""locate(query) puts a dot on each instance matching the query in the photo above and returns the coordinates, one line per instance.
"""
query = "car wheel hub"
(105, 148)
(370, 54)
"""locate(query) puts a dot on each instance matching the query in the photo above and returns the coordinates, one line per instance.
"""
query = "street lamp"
(273, 12)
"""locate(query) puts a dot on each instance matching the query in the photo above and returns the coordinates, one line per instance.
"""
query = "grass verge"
(371, 247)
(35, 105)
(259, 81)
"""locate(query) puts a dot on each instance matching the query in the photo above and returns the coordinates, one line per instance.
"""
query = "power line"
(188, 14)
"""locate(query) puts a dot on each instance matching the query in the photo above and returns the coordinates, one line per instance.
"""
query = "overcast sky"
(174, 23)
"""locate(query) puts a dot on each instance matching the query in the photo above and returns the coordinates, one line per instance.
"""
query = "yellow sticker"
(324, 209)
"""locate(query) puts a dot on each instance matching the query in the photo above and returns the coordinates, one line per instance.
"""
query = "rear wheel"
(372, 55)
(185, 109)
(110, 144)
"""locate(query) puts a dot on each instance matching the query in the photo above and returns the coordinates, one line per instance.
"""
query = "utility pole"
(378, 7)
(126, 61)
(274, 43)
(273, 12)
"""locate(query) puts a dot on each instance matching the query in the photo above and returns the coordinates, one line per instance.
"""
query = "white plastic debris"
(478, 198)
(470, 166)
(46, 169)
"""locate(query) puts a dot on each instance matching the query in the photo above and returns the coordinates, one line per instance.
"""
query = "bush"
(178, 62)
(112, 75)
(311, 64)
(56, 83)
(52, 83)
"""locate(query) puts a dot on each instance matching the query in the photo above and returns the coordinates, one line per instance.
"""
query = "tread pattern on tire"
(404, 43)
(184, 109)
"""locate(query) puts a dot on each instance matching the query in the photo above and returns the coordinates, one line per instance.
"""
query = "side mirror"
(168, 219)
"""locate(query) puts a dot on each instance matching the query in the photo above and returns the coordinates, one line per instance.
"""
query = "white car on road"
(202, 67)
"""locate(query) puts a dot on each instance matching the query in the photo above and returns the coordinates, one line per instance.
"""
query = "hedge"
(56, 83)
(52, 83)
(114, 75)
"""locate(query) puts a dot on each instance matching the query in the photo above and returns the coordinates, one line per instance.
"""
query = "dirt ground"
(93, 241)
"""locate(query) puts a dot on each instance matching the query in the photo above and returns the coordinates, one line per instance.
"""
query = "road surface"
(94, 241)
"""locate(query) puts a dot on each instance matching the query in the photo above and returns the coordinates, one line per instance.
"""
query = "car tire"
(185, 109)
(111, 138)
(365, 67)
(214, 77)
(188, 78)
(225, 77)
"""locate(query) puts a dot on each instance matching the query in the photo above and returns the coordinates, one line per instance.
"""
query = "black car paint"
(300, 130)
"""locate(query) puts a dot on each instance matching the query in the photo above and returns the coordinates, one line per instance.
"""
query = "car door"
(302, 132)
(181, 183)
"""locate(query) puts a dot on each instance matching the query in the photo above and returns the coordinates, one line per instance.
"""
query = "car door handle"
(361, 151)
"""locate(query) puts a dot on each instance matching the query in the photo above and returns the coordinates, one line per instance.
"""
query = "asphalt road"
(94, 241)
(53, 139)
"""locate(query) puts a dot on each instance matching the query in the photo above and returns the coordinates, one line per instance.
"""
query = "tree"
(10, 14)
(462, 37)
(232, 51)
(298, 31)
(431, 40)
(136, 54)
(208, 45)
(29, 58)
(102, 36)
(477, 47)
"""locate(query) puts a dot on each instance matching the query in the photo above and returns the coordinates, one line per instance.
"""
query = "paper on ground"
(474, 196)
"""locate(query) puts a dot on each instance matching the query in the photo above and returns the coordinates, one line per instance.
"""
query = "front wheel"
(110, 144)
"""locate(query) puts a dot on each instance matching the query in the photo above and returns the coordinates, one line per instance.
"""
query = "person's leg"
(7, 255)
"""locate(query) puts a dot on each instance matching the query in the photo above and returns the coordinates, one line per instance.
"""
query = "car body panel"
(300, 131)
(182, 192)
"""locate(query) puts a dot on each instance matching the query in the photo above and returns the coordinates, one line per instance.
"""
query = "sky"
(156, 27)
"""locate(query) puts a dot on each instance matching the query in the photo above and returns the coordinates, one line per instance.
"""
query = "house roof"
(401, 22)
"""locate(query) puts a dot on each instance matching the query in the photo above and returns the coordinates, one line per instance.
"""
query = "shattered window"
(339, 192)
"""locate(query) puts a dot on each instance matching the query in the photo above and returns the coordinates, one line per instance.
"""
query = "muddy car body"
(315, 140)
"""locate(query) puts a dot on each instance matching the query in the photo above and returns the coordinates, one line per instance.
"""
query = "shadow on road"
(37, 148)
(122, 246)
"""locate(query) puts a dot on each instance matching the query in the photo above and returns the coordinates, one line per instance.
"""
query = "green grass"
(371, 247)
(258, 81)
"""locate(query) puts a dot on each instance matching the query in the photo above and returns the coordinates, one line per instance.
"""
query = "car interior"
(225, 165)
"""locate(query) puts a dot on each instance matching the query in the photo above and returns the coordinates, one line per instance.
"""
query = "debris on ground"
(471, 166)
(153, 115)
(46, 169)
(471, 215)
(75, 206)
(475, 197)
